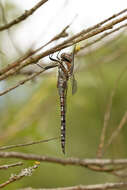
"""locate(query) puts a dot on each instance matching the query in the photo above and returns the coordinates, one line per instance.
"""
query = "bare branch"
(11, 165)
(70, 42)
(23, 173)
(106, 120)
(27, 144)
(107, 116)
(27, 79)
(23, 16)
(92, 31)
(117, 131)
(67, 161)
(104, 186)
(102, 36)
(85, 31)
(62, 34)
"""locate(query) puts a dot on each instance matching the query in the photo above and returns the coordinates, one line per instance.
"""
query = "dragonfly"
(65, 73)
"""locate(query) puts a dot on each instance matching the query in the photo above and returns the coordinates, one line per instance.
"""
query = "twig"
(85, 31)
(11, 165)
(120, 174)
(26, 72)
(27, 144)
(107, 115)
(102, 36)
(27, 79)
(67, 161)
(62, 34)
(104, 186)
(105, 125)
(23, 16)
(23, 173)
(70, 42)
(98, 30)
(92, 31)
(117, 131)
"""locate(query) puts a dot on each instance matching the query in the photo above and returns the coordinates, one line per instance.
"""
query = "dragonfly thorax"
(66, 57)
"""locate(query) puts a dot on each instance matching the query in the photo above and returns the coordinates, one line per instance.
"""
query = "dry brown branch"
(117, 131)
(25, 172)
(27, 144)
(120, 174)
(84, 34)
(105, 125)
(23, 16)
(77, 38)
(102, 37)
(26, 72)
(29, 72)
(98, 30)
(87, 187)
(107, 116)
(62, 34)
(28, 78)
(11, 165)
(109, 170)
(12, 72)
(67, 161)
(85, 31)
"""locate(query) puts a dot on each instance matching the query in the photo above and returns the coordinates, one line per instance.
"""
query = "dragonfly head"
(66, 57)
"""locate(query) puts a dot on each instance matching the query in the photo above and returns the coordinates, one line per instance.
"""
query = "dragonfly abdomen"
(63, 121)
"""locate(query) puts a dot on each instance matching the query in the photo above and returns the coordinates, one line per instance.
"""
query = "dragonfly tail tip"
(63, 150)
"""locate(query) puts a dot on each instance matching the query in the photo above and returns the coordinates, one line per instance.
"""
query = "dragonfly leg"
(58, 55)
(52, 59)
(39, 65)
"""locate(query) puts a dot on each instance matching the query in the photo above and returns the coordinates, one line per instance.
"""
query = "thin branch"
(13, 71)
(92, 31)
(15, 177)
(26, 72)
(104, 186)
(97, 31)
(102, 37)
(11, 165)
(117, 131)
(62, 34)
(67, 161)
(23, 16)
(82, 47)
(107, 116)
(27, 144)
(120, 174)
(85, 31)
(105, 169)
(70, 42)
(105, 125)
(27, 79)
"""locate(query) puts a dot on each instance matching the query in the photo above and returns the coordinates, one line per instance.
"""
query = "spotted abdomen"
(63, 121)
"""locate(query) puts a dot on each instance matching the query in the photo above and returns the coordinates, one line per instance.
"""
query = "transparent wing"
(72, 64)
(74, 84)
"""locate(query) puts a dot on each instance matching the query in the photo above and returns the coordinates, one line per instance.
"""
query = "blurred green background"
(32, 112)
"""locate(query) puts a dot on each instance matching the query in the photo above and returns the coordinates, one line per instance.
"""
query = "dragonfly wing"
(74, 84)
(72, 64)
